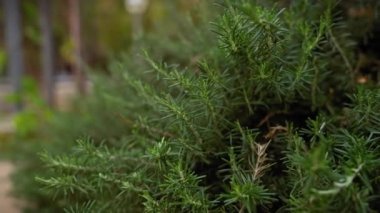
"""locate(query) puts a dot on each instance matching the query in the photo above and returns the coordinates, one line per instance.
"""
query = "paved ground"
(6, 125)
(7, 203)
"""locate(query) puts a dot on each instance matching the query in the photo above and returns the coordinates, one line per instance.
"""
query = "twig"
(269, 116)
(261, 160)
(273, 131)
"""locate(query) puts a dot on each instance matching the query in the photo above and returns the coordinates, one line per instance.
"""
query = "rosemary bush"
(271, 119)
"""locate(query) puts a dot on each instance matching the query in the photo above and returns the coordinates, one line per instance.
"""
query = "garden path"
(7, 203)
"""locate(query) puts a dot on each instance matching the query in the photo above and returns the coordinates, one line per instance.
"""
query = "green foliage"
(28, 121)
(3, 59)
(270, 119)
(30, 11)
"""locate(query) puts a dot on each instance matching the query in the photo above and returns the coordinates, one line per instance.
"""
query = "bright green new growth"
(262, 124)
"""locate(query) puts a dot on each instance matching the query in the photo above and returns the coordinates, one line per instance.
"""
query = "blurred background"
(54, 43)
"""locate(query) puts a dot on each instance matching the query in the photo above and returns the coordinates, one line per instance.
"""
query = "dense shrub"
(98, 115)
(269, 119)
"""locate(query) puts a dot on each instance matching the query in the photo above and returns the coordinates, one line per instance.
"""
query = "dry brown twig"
(274, 130)
(261, 160)
(269, 116)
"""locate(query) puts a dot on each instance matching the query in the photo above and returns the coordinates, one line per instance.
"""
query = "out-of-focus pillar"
(75, 31)
(48, 64)
(136, 8)
(13, 40)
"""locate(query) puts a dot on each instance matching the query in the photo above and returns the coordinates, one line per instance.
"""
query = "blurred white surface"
(136, 6)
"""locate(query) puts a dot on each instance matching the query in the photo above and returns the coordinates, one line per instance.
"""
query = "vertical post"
(48, 64)
(13, 40)
(137, 29)
(136, 8)
(74, 22)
